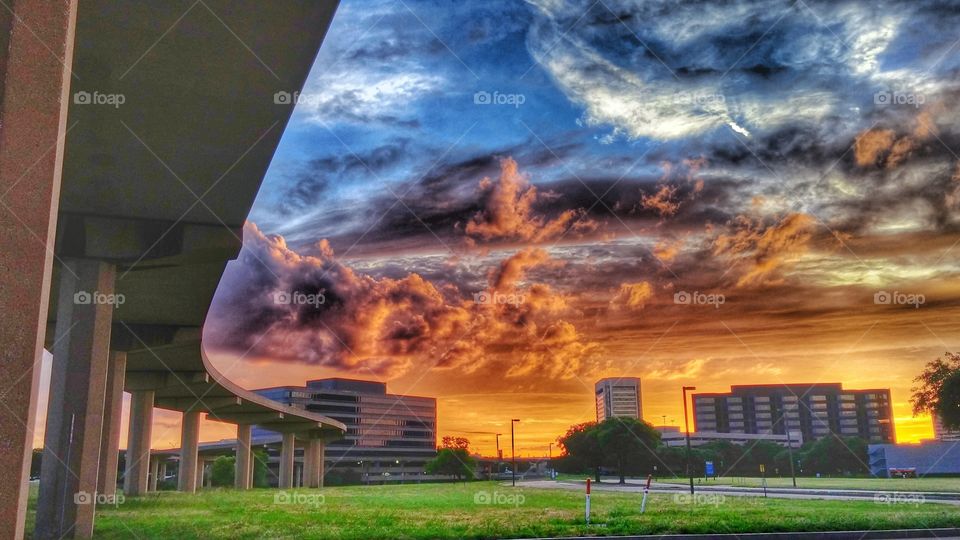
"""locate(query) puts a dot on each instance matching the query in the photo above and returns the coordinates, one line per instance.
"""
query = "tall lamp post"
(793, 473)
(513, 454)
(686, 420)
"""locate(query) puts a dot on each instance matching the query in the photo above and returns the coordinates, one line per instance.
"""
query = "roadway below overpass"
(635, 485)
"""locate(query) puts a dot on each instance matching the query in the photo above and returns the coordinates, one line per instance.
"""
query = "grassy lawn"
(465, 511)
(878, 484)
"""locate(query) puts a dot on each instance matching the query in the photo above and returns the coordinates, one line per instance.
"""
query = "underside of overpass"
(134, 137)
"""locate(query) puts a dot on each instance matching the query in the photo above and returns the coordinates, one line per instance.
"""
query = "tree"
(222, 472)
(461, 443)
(832, 455)
(453, 459)
(260, 469)
(582, 449)
(628, 443)
(949, 405)
(938, 390)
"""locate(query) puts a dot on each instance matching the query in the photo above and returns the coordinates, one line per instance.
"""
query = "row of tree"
(631, 447)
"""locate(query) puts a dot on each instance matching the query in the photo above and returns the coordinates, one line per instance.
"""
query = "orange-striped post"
(588, 502)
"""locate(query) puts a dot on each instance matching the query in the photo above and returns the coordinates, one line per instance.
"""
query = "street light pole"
(513, 454)
(686, 420)
(793, 473)
(499, 456)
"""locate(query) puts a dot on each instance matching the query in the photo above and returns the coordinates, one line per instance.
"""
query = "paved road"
(636, 485)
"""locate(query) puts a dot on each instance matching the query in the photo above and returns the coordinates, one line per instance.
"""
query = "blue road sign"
(709, 468)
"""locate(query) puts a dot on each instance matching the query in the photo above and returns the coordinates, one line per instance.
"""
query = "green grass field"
(483, 510)
(873, 484)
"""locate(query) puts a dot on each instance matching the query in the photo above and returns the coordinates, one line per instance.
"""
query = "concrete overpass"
(133, 139)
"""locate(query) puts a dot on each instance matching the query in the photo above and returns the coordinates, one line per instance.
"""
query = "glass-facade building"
(389, 437)
(813, 410)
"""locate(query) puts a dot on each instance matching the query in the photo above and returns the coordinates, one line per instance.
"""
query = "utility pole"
(686, 420)
(499, 455)
(513, 453)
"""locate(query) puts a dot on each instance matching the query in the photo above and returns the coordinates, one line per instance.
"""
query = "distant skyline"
(502, 202)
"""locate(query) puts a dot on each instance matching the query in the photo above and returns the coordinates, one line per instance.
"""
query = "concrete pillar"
(138, 442)
(162, 473)
(321, 465)
(36, 52)
(112, 410)
(78, 381)
(154, 472)
(297, 474)
(244, 461)
(201, 471)
(287, 451)
(189, 443)
(313, 463)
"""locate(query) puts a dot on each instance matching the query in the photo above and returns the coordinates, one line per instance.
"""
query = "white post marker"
(588, 501)
(646, 490)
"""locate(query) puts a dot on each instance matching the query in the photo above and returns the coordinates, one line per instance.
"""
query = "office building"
(942, 433)
(618, 397)
(389, 437)
(813, 411)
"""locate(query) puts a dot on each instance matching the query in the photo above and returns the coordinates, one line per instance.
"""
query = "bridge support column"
(71, 455)
(313, 463)
(189, 445)
(138, 442)
(287, 451)
(154, 471)
(244, 459)
(112, 411)
(35, 59)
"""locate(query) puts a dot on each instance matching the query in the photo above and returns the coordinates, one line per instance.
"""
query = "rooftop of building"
(343, 384)
(798, 389)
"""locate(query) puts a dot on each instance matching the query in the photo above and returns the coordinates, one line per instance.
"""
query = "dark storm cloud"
(308, 187)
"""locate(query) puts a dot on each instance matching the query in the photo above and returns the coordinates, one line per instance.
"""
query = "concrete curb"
(823, 535)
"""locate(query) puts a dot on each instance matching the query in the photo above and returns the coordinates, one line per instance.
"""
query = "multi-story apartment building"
(812, 410)
(618, 397)
(389, 437)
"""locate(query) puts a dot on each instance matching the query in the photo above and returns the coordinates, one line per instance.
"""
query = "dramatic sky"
(501, 202)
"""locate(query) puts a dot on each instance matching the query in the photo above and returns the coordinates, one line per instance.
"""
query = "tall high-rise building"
(942, 433)
(388, 436)
(814, 410)
(618, 397)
